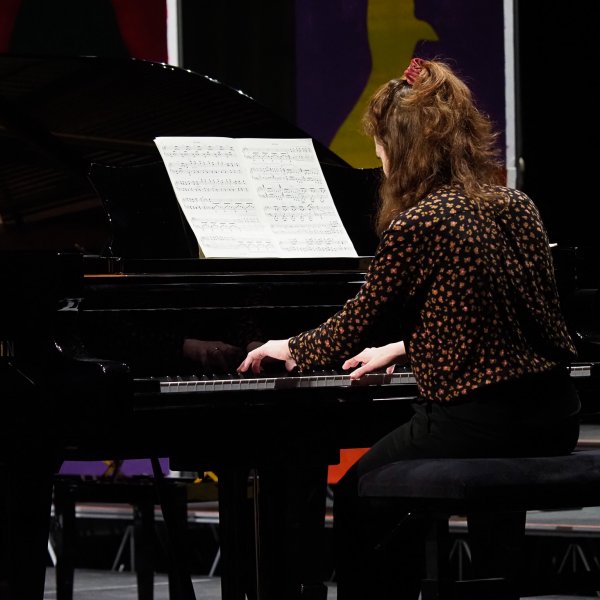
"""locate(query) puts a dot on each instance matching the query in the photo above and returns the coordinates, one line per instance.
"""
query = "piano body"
(103, 290)
(102, 287)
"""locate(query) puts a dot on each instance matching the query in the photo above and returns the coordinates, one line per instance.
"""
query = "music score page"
(254, 197)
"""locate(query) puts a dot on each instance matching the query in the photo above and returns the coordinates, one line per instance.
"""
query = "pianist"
(464, 267)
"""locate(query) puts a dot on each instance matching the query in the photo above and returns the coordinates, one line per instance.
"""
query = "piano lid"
(58, 116)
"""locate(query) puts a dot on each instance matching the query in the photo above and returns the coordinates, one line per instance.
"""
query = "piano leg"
(237, 572)
(25, 504)
(271, 526)
(290, 523)
(65, 537)
(271, 543)
(29, 458)
(174, 510)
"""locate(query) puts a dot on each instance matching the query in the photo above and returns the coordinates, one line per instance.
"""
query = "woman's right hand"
(276, 349)
(375, 359)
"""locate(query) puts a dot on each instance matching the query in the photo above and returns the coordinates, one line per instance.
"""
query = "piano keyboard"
(240, 383)
(583, 370)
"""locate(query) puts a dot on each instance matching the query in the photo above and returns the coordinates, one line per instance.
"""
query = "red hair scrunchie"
(413, 70)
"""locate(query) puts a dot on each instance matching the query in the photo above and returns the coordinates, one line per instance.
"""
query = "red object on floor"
(348, 456)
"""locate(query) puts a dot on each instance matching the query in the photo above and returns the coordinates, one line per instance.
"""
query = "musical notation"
(255, 197)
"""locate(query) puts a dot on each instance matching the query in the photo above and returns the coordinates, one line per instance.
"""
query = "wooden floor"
(110, 585)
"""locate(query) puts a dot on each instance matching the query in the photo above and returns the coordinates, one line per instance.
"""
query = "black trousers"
(534, 416)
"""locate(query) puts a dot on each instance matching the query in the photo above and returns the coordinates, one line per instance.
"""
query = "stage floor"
(111, 585)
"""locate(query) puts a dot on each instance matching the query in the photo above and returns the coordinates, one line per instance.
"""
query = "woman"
(464, 271)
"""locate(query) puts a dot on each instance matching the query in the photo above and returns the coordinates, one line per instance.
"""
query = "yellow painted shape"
(393, 32)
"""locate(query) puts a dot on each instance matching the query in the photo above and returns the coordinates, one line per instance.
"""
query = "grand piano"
(117, 341)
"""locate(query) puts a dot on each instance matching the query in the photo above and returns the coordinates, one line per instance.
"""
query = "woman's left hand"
(375, 359)
(277, 349)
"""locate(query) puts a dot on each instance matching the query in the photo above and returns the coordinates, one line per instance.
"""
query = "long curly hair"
(433, 135)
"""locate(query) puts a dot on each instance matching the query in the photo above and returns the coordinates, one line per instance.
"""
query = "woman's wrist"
(397, 349)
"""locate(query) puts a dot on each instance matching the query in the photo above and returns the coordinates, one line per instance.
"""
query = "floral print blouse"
(472, 287)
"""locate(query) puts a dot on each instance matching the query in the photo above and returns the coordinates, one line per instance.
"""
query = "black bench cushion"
(531, 482)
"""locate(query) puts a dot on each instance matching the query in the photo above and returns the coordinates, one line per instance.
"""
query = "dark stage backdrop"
(559, 124)
(347, 47)
(112, 28)
(314, 63)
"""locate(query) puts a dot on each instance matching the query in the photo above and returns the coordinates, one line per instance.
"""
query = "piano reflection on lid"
(216, 356)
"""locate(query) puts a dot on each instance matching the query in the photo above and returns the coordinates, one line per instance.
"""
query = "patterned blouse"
(472, 289)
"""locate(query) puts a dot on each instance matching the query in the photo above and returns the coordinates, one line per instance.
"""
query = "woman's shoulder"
(431, 211)
(509, 192)
(444, 200)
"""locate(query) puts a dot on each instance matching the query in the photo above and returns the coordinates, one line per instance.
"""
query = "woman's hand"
(375, 359)
(277, 349)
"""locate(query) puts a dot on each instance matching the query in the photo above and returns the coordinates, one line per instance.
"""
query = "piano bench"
(437, 489)
(138, 492)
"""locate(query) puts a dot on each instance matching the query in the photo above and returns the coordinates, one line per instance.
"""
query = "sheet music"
(254, 197)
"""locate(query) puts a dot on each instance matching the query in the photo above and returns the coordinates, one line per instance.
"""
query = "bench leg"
(496, 541)
(441, 584)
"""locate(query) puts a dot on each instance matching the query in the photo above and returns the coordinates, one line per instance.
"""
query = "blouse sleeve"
(394, 276)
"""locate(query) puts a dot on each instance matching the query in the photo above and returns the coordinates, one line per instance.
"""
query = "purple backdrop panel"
(98, 467)
(332, 63)
(333, 57)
